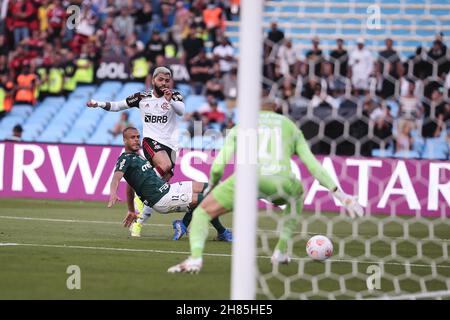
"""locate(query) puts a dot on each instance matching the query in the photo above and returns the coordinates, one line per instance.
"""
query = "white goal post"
(243, 274)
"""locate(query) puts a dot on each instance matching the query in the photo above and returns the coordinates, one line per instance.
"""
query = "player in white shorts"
(159, 109)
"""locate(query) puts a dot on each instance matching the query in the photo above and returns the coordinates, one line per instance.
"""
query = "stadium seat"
(439, 11)
(184, 141)
(193, 102)
(436, 148)
(407, 154)
(101, 138)
(133, 87)
(110, 86)
(54, 100)
(197, 142)
(184, 89)
(52, 134)
(212, 139)
(21, 110)
(415, 11)
(183, 125)
(340, 10)
(314, 9)
(32, 130)
(117, 141)
(382, 153)
(8, 122)
(301, 30)
(390, 11)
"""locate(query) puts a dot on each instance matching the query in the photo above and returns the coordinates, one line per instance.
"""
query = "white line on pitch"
(206, 254)
(167, 225)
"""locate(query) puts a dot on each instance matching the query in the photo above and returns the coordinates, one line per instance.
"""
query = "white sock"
(146, 213)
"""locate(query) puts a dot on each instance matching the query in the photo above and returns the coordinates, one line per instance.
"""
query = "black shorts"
(151, 147)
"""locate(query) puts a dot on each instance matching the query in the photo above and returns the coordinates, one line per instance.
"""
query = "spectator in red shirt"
(35, 44)
(21, 12)
(18, 60)
(56, 18)
(214, 115)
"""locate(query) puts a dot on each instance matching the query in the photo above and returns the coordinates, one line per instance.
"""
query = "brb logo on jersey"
(155, 119)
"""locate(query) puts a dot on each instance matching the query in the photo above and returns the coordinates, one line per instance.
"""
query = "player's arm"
(130, 198)
(131, 215)
(221, 160)
(120, 169)
(115, 106)
(317, 171)
(175, 99)
(113, 198)
(314, 167)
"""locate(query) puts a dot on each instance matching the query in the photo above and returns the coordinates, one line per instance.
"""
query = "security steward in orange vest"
(26, 87)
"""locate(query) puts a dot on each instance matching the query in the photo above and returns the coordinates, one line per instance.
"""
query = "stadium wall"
(82, 172)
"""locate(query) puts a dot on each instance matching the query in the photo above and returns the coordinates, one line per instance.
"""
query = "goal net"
(366, 132)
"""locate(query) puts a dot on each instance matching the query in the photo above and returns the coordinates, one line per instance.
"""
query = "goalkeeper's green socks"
(290, 222)
(199, 232)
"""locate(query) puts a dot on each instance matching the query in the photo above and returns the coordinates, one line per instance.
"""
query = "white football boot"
(280, 258)
(190, 265)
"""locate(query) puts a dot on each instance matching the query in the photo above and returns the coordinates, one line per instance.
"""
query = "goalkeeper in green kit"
(278, 140)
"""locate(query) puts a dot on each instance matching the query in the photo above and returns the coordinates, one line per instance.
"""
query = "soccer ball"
(319, 248)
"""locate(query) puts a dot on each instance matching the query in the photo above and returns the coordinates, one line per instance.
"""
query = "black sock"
(217, 225)
(187, 217)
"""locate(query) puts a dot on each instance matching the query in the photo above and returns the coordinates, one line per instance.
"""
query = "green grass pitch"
(49, 236)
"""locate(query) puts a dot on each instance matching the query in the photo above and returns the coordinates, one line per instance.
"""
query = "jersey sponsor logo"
(146, 166)
(164, 187)
(155, 119)
(122, 163)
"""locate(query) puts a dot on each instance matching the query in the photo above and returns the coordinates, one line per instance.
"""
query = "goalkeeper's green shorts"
(276, 189)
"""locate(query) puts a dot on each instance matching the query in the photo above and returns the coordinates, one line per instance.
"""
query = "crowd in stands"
(48, 50)
(396, 99)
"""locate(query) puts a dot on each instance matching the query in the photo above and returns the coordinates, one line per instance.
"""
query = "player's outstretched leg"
(215, 204)
(291, 216)
(197, 238)
(180, 226)
(145, 212)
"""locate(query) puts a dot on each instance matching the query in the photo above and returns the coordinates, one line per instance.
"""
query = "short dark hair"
(17, 128)
(128, 129)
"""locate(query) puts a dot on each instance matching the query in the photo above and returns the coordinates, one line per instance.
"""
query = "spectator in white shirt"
(361, 62)
(286, 58)
(224, 54)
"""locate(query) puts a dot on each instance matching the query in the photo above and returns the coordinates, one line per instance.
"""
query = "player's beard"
(159, 91)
